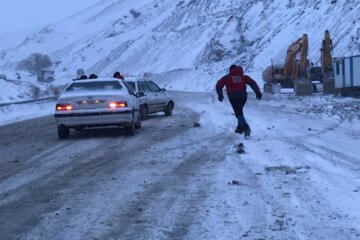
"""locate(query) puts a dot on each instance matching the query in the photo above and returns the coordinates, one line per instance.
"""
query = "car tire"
(144, 112)
(138, 123)
(169, 109)
(79, 129)
(130, 128)
(63, 132)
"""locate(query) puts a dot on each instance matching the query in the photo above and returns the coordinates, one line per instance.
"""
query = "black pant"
(238, 105)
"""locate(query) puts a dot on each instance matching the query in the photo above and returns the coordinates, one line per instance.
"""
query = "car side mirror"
(140, 94)
(163, 90)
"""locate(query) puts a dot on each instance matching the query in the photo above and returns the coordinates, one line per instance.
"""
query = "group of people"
(94, 76)
(84, 77)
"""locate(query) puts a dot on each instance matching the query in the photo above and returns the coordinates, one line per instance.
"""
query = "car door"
(160, 98)
(149, 98)
(132, 96)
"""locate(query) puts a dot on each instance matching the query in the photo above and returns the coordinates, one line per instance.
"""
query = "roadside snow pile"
(328, 106)
(343, 108)
(11, 92)
(20, 112)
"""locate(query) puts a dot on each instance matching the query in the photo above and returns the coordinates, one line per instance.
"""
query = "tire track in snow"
(54, 191)
(170, 205)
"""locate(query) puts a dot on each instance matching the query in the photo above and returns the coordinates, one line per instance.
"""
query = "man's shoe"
(239, 130)
(247, 132)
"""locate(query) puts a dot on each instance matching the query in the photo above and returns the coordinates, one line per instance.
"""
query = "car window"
(94, 86)
(129, 88)
(153, 87)
(132, 85)
(143, 87)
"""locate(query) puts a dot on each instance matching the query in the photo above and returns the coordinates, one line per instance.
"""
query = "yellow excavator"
(295, 67)
(322, 76)
(297, 71)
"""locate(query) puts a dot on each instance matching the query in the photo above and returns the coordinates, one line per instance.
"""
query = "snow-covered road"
(299, 177)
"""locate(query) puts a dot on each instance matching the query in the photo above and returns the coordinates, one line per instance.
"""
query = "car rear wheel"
(78, 129)
(138, 123)
(169, 109)
(63, 132)
(130, 128)
(144, 112)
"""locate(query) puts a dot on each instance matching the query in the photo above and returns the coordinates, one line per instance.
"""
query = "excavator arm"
(326, 52)
(304, 62)
(326, 65)
(299, 47)
(289, 65)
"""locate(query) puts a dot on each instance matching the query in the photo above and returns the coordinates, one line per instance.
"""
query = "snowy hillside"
(188, 44)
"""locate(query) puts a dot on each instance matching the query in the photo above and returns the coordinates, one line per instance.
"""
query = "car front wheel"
(169, 109)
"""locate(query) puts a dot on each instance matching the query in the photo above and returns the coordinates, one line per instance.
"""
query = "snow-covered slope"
(189, 44)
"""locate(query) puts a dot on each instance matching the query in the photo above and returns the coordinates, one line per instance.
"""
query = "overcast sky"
(21, 14)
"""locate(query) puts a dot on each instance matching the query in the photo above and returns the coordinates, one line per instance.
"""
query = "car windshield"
(94, 86)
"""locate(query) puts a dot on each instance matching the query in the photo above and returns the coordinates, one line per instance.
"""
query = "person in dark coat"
(93, 76)
(235, 83)
(118, 76)
(83, 77)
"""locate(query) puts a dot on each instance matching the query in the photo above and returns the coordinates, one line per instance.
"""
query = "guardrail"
(30, 101)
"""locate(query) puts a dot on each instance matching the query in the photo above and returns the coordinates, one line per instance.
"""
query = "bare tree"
(135, 13)
(35, 91)
(35, 62)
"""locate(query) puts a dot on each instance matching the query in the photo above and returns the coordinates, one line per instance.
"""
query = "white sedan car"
(153, 98)
(97, 103)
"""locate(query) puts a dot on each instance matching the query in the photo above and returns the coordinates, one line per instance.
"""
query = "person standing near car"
(118, 76)
(93, 76)
(235, 83)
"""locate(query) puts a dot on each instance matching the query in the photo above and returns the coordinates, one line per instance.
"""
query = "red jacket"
(235, 83)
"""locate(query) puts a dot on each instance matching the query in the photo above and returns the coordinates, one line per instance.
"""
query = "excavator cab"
(316, 74)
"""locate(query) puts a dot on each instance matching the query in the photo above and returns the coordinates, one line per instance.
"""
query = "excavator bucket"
(303, 86)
